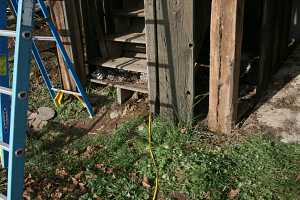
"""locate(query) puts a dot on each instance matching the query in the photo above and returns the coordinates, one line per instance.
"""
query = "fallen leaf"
(146, 183)
(99, 166)
(109, 170)
(183, 130)
(61, 172)
(298, 178)
(26, 195)
(233, 193)
(78, 176)
(75, 181)
(82, 187)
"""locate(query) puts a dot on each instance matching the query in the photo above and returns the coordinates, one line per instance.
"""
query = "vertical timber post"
(170, 54)
(226, 42)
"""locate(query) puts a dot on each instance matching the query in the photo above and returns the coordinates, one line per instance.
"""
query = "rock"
(38, 124)
(114, 114)
(31, 116)
(141, 127)
(45, 113)
(135, 96)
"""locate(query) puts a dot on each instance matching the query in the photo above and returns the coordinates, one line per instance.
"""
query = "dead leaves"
(106, 170)
(146, 182)
(91, 150)
(234, 193)
(298, 178)
(54, 189)
(61, 173)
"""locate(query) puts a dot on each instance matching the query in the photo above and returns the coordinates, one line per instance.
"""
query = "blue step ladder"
(14, 100)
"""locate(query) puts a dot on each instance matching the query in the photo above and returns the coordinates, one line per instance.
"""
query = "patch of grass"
(73, 165)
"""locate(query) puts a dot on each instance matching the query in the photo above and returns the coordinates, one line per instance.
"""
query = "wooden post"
(66, 16)
(226, 41)
(171, 43)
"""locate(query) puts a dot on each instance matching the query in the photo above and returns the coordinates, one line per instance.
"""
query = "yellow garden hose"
(152, 158)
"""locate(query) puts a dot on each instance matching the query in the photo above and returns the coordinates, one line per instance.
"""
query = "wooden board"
(226, 42)
(138, 38)
(128, 64)
(70, 31)
(142, 88)
(132, 13)
(266, 46)
(170, 58)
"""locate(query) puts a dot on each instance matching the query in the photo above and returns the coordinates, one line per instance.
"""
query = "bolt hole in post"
(191, 45)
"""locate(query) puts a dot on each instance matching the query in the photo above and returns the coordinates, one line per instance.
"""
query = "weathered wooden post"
(226, 41)
(175, 31)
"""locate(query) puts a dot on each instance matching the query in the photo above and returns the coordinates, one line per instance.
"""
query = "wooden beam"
(226, 41)
(172, 41)
(66, 16)
(171, 64)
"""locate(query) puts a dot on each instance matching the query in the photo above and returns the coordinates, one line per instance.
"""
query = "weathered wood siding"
(172, 41)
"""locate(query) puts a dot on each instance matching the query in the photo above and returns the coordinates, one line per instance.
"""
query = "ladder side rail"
(65, 56)
(43, 70)
(19, 106)
(5, 100)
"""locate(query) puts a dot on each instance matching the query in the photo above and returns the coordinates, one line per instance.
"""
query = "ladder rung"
(67, 92)
(4, 146)
(4, 90)
(2, 197)
(7, 33)
(44, 38)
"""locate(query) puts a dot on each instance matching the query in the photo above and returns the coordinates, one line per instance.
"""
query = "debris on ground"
(114, 114)
(37, 121)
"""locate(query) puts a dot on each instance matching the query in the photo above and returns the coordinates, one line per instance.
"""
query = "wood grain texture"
(123, 63)
(171, 68)
(226, 42)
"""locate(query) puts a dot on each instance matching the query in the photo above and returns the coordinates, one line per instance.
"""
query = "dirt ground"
(279, 112)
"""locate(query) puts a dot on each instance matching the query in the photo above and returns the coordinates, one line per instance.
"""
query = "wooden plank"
(98, 25)
(226, 42)
(286, 27)
(171, 57)
(61, 13)
(277, 29)
(142, 88)
(128, 64)
(131, 13)
(138, 38)
(266, 46)
(152, 55)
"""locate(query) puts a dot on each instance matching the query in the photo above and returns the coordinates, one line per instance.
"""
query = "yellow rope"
(152, 157)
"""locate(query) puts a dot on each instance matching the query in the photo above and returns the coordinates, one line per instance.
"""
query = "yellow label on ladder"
(3, 69)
